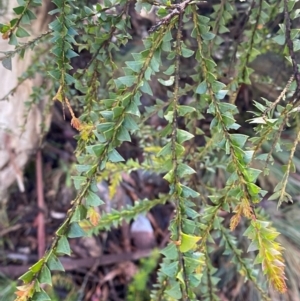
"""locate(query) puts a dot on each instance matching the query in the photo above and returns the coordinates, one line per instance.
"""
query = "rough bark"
(17, 144)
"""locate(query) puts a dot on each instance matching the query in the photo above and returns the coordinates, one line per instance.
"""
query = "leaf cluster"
(202, 107)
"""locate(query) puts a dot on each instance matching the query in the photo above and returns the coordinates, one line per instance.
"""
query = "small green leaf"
(88, 11)
(70, 54)
(128, 80)
(146, 88)
(27, 277)
(252, 174)
(253, 189)
(55, 74)
(79, 181)
(188, 192)
(184, 169)
(170, 251)
(202, 88)
(130, 123)
(162, 12)
(25, 18)
(193, 263)
(6, 63)
(98, 149)
(274, 196)
(30, 15)
(168, 82)
(123, 134)
(253, 246)
(217, 86)
(82, 168)
(188, 242)
(228, 121)
(184, 110)
(22, 33)
(13, 40)
(279, 39)
(63, 246)
(170, 269)
(4, 28)
(69, 79)
(54, 263)
(208, 36)
(19, 9)
(93, 199)
(135, 65)
(114, 156)
(75, 231)
(79, 215)
(180, 277)
(179, 149)
(37, 266)
(238, 139)
(165, 151)
(170, 70)
(169, 176)
(191, 213)
(186, 52)
(223, 29)
(188, 226)
(154, 64)
(292, 168)
(296, 44)
(41, 296)
(117, 112)
(221, 94)
(133, 109)
(105, 126)
(174, 291)
(45, 275)
(183, 136)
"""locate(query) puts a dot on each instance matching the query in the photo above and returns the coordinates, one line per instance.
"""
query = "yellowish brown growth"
(94, 216)
(75, 123)
(234, 221)
(25, 292)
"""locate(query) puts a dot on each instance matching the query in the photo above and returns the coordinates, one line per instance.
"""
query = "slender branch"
(289, 165)
(178, 9)
(280, 97)
(184, 288)
(106, 42)
(41, 204)
(251, 44)
(18, 49)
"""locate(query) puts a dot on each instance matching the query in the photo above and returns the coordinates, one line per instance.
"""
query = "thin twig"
(249, 51)
(24, 46)
(41, 205)
(178, 9)
(274, 104)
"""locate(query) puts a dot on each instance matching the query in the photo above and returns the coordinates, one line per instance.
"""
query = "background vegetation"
(185, 117)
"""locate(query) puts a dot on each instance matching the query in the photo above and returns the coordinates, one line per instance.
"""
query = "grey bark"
(18, 142)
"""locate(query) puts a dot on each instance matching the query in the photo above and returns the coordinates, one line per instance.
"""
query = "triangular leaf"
(63, 246)
(45, 275)
(75, 231)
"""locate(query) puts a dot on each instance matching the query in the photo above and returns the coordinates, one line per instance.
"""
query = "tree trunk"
(19, 136)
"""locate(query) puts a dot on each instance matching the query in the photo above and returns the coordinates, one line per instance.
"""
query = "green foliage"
(7, 288)
(137, 290)
(110, 101)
